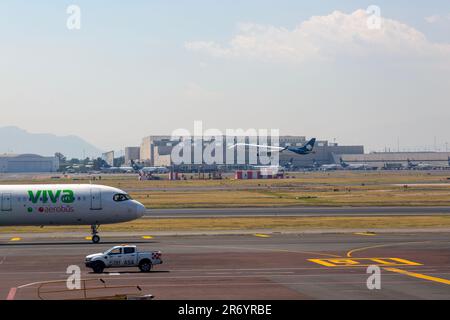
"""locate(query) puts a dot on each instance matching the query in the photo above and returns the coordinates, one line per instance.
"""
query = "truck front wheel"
(98, 267)
(145, 266)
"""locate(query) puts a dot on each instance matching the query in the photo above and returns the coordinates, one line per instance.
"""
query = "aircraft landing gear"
(95, 237)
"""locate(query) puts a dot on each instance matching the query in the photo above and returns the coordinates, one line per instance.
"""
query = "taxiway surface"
(260, 266)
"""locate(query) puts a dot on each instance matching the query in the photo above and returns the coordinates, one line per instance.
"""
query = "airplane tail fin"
(315, 164)
(134, 165)
(309, 146)
(311, 142)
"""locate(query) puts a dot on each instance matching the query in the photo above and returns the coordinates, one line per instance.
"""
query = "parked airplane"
(115, 169)
(143, 169)
(419, 166)
(356, 166)
(315, 165)
(49, 205)
(307, 148)
(289, 165)
(330, 167)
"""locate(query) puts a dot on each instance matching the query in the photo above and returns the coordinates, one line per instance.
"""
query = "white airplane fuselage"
(155, 170)
(65, 204)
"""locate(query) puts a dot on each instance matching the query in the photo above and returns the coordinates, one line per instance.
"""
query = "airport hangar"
(156, 151)
(27, 163)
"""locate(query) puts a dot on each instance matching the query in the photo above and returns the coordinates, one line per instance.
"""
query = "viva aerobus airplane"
(56, 205)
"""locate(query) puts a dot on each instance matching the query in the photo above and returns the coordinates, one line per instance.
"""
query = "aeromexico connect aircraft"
(307, 148)
(66, 204)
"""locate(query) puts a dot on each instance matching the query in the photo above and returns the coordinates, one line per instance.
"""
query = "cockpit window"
(121, 197)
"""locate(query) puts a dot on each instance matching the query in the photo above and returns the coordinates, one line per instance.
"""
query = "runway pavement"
(259, 266)
(297, 212)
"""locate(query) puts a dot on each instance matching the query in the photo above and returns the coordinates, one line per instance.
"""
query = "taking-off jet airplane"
(307, 148)
(50, 205)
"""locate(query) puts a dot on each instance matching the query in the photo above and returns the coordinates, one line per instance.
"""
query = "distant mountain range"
(18, 141)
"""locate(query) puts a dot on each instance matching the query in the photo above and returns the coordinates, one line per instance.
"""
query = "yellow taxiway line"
(260, 235)
(419, 275)
(349, 254)
(365, 233)
(405, 272)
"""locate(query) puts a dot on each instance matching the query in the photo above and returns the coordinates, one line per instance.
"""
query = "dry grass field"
(268, 223)
(340, 188)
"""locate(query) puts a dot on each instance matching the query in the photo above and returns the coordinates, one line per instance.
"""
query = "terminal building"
(396, 159)
(27, 163)
(157, 150)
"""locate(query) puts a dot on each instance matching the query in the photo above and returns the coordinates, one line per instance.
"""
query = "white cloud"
(325, 37)
(433, 19)
(437, 18)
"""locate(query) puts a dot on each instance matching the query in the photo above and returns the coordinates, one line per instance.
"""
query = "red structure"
(257, 174)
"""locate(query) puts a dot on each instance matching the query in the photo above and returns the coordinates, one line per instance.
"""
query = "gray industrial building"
(108, 157)
(12, 163)
(156, 151)
(132, 154)
(386, 159)
(150, 144)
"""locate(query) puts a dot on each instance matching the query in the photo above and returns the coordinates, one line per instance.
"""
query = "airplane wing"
(273, 148)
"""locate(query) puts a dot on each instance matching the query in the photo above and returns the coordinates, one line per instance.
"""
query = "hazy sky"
(310, 68)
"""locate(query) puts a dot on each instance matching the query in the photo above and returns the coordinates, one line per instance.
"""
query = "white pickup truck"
(123, 256)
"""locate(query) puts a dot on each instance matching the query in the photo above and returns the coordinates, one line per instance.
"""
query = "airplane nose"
(140, 210)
